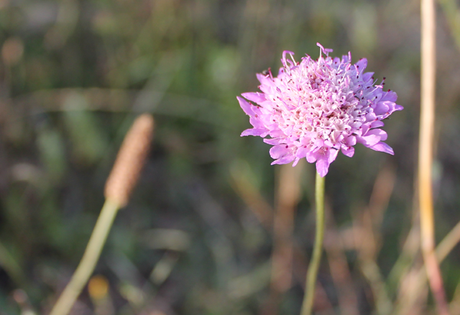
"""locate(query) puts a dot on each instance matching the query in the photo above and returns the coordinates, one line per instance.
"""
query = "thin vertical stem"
(312, 272)
(428, 73)
(89, 259)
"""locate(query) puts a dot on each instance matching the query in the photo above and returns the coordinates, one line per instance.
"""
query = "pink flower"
(314, 108)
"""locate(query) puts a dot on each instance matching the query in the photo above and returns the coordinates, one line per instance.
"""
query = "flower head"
(314, 108)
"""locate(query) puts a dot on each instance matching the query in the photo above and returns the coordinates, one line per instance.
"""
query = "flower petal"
(383, 147)
(246, 106)
(284, 160)
(372, 137)
(255, 97)
(332, 155)
(322, 167)
(254, 132)
(279, 151)
(361, 65)
(348, 151)
(382, 108)
(377, 124)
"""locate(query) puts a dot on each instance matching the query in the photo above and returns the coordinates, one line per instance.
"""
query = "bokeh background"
(211, 228)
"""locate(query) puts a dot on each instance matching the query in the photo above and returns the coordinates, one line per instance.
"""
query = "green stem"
(89, 259)
(312, 272)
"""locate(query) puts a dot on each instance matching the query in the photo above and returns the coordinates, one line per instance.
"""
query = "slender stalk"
(442, 250)
(428, 73)
(89, 259)
(312, 272)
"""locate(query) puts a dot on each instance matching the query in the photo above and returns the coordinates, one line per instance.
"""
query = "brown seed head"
(130, 160)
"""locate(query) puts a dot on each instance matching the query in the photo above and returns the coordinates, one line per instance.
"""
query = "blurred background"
(211, 228)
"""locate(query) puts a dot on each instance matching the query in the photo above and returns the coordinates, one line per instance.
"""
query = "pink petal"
(377, 124)
(382, 108)
(390, 96)
(255, 97)
(372, 137)
(322, 167)
(369, 140)
(246, 106)
(264, 80)
(332, 155)
(367, 76)
(361, 65)
(350, 141)
(284, 160)
(254, 132)
(272, 141)
(382, 147)
(278, 151)
(348, 151)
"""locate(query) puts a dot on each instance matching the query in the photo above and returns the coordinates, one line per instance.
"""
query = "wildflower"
(314, 108)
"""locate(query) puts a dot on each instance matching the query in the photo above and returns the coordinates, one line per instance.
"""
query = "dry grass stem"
(427, 117)
(381, 193)
(366, 244)
(288, 195)
(338, 266)
(413, 292)
(448, 243)
(88, 262)
(367, 234)
(130, 160)
(409, 298)
(121, 181)
(455, 304)
(251, 195)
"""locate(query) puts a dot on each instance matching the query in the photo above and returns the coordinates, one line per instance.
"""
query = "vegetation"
(211, 226)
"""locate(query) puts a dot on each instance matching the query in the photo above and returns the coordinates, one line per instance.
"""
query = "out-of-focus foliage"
(74, 74)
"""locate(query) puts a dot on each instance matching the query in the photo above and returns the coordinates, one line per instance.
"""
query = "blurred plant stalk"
(265, 215)
(368, 238)
(312, 273)
(427, 117)
(288, 196)
(124, 176)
